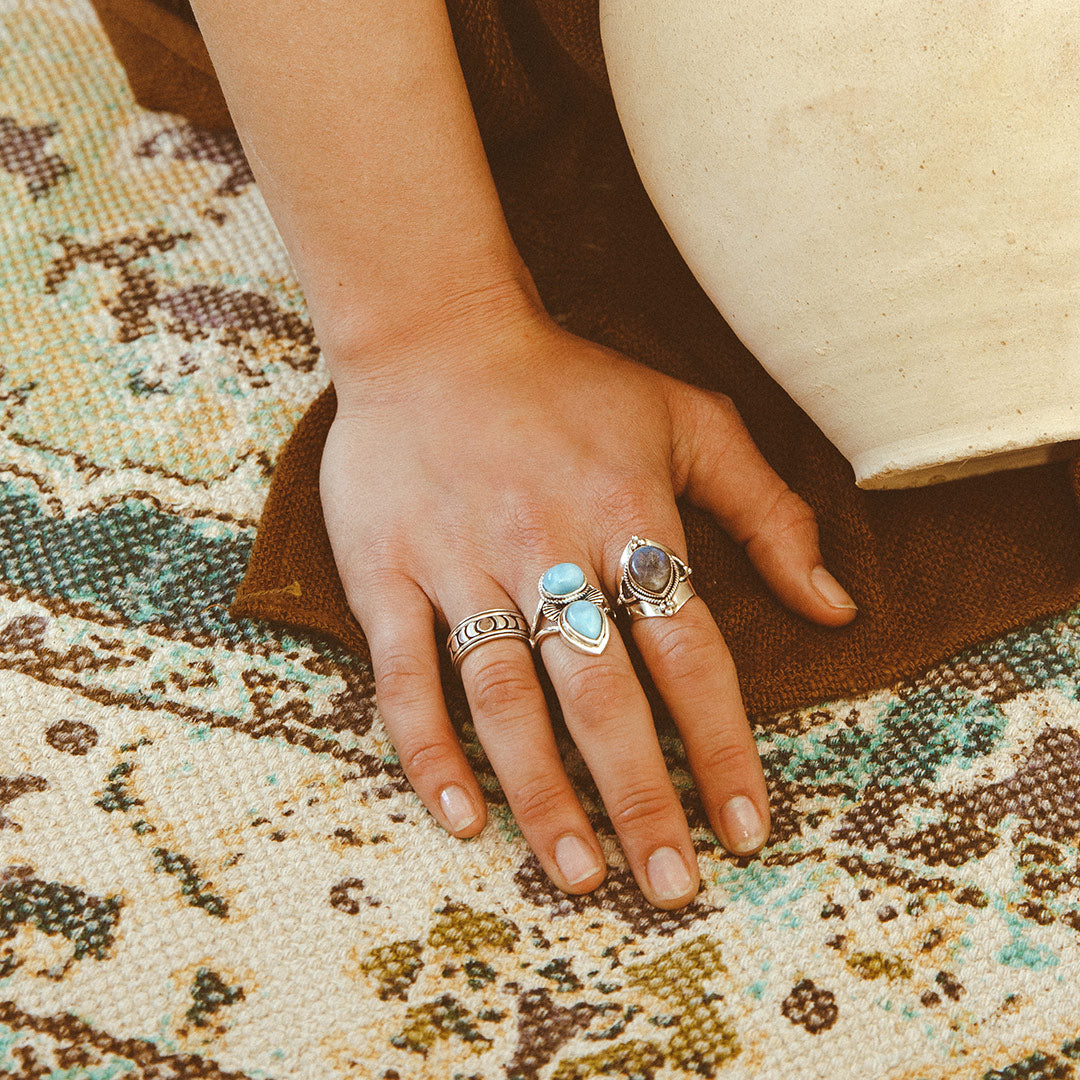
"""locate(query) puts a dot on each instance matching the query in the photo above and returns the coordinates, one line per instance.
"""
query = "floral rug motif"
(210, 862)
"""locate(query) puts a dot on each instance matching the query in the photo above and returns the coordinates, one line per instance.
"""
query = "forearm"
(359, 129)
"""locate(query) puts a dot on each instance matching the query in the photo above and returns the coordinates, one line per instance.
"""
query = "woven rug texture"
(211, 864)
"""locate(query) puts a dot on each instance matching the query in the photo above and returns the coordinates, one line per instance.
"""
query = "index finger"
(693, 670)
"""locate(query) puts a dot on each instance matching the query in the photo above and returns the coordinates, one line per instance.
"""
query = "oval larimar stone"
(563, 579)
(586, 618)
(650, 568)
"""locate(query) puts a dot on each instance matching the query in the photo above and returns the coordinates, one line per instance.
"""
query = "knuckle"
(620, 502)
(500, 686)
(425, 757)
(714, 417)
(682, 652)
(379, 555)
(720, 405)
(727, 758)
(642, 805)
(541, 798)
(526, 522)
(400, 676)
(596, 692)
(370, 581)
(709, 428)
(789, 512)
(704, 404)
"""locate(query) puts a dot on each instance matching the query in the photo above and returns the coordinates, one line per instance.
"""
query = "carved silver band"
(485, 626)
(653, 581)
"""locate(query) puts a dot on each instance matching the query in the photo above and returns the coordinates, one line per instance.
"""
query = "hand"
(459, 470)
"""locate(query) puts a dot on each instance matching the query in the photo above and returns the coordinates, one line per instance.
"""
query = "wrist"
(450, 326)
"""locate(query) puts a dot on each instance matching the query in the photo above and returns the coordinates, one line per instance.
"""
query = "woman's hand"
(476, 444)
(460, 466)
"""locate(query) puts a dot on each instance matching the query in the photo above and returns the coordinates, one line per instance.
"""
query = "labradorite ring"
(572, 608)
(485, 626)
(653, 581)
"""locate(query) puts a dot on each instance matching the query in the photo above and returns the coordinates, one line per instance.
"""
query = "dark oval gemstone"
(650, 568)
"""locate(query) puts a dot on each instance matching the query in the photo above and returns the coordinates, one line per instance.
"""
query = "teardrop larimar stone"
(563, 579)
(586, 618)
(650, 568)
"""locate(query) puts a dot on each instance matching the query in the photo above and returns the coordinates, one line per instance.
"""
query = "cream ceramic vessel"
(882, 198)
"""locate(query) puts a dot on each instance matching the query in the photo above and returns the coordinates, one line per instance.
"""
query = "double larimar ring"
(572, 608)
(653, 581)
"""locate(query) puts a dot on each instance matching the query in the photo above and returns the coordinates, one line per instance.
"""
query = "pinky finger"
(409, 696)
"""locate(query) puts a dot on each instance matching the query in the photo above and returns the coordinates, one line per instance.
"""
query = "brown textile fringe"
(933, 570)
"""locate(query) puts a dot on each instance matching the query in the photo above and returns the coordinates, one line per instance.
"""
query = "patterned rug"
(210, 863)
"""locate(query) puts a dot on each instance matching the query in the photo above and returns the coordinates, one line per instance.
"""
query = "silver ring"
(485, 626)
(653, 581)
(572, 608)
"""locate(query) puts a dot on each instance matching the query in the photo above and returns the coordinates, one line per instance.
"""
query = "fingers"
(511, 721)
(721, 469)
(398, 622)
(608, 717)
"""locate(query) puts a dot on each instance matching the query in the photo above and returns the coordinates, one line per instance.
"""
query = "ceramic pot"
(882, 198)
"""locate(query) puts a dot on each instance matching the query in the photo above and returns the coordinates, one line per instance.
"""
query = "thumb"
(719, 468)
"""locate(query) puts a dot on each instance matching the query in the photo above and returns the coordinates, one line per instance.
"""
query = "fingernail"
(741, 825)
(575, 859)
(830, 590)
(457, 808)
(668, 875)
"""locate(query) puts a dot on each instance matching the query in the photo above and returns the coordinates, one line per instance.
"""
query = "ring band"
(485, 626)
(653, 581)
(572, 608)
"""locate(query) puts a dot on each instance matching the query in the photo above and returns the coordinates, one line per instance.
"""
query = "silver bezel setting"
(550, 618)
(642, 603)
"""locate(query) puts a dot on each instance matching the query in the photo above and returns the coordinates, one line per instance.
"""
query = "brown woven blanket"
(933, 570)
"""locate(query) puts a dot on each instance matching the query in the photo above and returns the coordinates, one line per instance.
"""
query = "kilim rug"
(210, 863)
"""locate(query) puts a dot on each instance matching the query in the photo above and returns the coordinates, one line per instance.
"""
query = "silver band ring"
(572, 608)
(653, 581)
(485, 626)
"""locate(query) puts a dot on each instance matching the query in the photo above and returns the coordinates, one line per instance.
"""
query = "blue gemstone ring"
(572, 608)
(653, 581)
